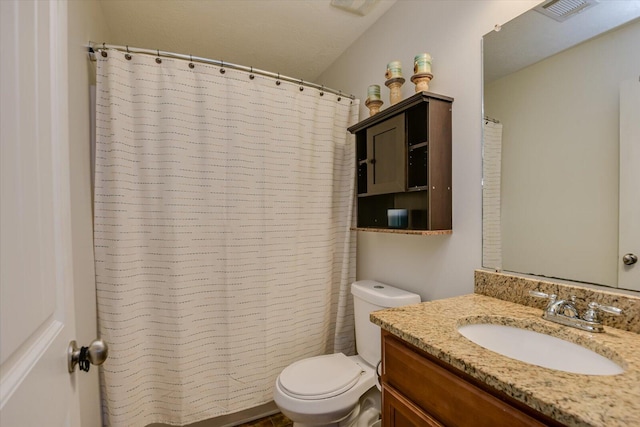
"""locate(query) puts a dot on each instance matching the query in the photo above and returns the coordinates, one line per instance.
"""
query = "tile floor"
(276, 420)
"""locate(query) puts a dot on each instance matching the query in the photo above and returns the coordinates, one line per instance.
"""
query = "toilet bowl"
(323, 390)
(338, 390)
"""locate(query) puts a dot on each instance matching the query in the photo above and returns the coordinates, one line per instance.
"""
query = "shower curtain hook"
(158, 60)
(301, 85)
(322, 91)
(103, 52)
(278, 81)
(340, 96)
(222, 70)
(127, 56)
(191, 64)
(251, 76)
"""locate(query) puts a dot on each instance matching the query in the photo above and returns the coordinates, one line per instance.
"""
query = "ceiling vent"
(359, 7)
(561, 10)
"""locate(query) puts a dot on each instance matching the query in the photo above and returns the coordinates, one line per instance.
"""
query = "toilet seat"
(320, 377)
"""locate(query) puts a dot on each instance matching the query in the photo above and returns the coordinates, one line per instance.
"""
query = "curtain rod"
(93, 47)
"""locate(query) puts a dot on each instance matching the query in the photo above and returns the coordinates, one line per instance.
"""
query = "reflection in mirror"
(551, 142)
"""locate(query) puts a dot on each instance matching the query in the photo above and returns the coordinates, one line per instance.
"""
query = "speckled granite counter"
(572, 399)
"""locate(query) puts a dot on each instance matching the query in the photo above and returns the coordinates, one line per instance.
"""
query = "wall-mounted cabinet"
(404, 162)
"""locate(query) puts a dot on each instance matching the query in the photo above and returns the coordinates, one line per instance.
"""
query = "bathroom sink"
(539, 349)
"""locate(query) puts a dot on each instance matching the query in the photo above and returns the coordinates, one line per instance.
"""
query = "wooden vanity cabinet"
(420, 390)
(398, 411)
(404, 162)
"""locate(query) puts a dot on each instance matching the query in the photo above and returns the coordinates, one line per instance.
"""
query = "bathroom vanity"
(434, 376)
(419, 390)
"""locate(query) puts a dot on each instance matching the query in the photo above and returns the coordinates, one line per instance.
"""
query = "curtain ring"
(340, 96)
(158, 60)
(251, 76)
(301, 85)
(191, 64)
(322, 91)
(222, 70)
(126, 55)
(104, 52)
(278, 81)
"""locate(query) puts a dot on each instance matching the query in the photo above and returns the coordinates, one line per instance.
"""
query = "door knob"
(95, 354)
(629, 259)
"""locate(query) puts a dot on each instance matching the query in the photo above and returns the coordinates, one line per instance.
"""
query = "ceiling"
(297, 38)
(505, 51)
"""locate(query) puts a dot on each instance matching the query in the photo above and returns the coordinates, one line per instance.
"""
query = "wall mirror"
(561, 102)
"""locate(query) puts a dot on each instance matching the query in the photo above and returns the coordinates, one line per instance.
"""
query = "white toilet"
(336, 390)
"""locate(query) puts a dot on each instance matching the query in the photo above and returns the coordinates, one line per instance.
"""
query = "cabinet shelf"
(416, 146)
(404, 162)
(404, 231)
(401, 106)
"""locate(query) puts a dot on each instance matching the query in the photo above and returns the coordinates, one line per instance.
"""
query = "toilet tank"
(368, 296)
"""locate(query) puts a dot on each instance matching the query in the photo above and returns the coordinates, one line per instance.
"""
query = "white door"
(36, 290)
(629, 240)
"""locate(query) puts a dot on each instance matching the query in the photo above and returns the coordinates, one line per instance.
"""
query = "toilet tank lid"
(382, 294)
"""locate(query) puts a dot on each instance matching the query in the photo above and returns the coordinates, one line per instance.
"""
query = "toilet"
(336, 390)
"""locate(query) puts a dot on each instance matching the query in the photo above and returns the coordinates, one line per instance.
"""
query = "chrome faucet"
(565, 312)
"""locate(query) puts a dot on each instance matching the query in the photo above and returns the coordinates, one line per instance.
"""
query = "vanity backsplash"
(516, 289)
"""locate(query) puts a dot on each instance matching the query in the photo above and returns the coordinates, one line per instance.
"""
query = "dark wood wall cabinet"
(404, 162)
(420, 390)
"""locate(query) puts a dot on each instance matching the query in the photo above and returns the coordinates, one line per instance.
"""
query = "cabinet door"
(386, 157)
(443, 394)
(400, 412)
(439, 165)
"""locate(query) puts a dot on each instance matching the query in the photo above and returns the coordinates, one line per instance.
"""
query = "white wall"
(85, 24)
(451, 31)
(560, 158)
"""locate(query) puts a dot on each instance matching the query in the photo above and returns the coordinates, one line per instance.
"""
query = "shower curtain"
(223, 207)
(491, 187)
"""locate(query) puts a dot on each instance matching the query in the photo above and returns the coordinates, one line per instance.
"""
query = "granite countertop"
(572, 399)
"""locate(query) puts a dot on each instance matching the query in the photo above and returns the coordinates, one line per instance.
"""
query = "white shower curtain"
(223, 207)
(491, 200)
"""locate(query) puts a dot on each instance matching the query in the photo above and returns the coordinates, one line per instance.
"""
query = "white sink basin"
(539, 349)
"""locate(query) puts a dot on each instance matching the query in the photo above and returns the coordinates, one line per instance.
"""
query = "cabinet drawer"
(399, 412)
(444, 395)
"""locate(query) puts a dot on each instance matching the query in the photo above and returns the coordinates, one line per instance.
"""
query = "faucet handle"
(539, 294)
(606, 308)
(551, 298)
(591, 315)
